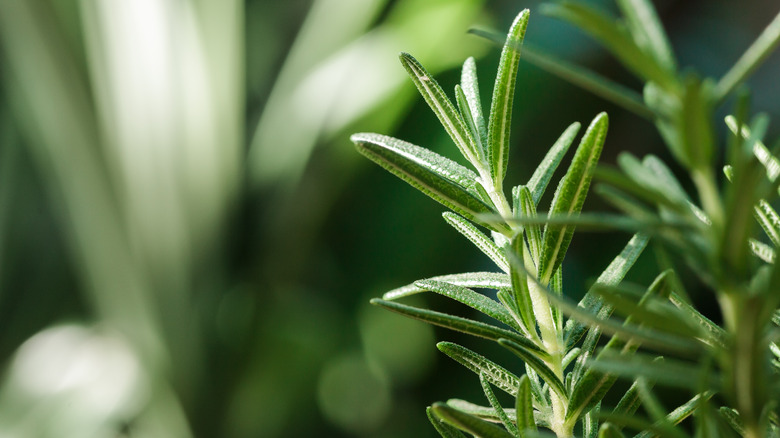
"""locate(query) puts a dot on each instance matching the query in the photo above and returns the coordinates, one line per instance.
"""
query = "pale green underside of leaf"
(442, 106)
(500, 118)
(479, 280)
(457, 323)
(468, 422)
(470, 298)
(442, 179)
(570, 195)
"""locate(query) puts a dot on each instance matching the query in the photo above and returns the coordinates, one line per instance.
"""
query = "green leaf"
(524, 408)
(532, 360)
(484, 243)
(496, 374)
(447, 182)
(765, 157)
(500, 120)
(716, 335)
(542, 418)
(630, 401)
(469, 120)
(483, 380)
(470, 298)
(750, 60)
(648, 33)
(762, 251)
(590, 423)
(636, 170)
(533, 232)
(464, 325)
(468, 422)
(614, 36)
(571, 194)
(442, 107)
(444, 429)
(520, 291)
(669, 372)
(580, 76)
(732, 418)
(612, 275)
(607, 430)
(681, 413)
(544, 172)
(470, 85)
(769, 220)
(479, 280)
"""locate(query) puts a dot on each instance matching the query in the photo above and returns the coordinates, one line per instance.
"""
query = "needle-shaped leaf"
(570, 196)
(680, 413)
(765, 157)
(500, 119)
(481, 241)
(520, 291)
(442, 179)
(444, 429)
(611, 276)
(731, 416)
(500, 412)
(648, 33)
(469, 423)
(470, 85)
(762, 250)
(442, 106)
(479, 280)
(769, 220)
(470, 120)
(716, 335)
(470, 298)
(464, 325)
(496, 374)
(544, 172)
(614, 36)
(533, 361)
(533, 232)
(524, 409)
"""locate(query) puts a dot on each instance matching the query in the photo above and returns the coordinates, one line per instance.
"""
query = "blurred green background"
(188, 240)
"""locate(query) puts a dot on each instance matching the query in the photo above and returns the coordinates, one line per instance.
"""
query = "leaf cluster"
(651, 335)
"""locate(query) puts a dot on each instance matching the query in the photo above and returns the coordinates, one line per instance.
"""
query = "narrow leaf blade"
(544, 172)
(442, 107)
(500, 119)
(468, 422)
(570, 195)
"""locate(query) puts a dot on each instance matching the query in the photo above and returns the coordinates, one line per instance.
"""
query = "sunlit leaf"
(648, 33)
(443, 108)
(475, 328)
(444, 429)
(570, 195)
(440, 178)
(500, 119)
(470, 85)
(480, 280)
(470, 298)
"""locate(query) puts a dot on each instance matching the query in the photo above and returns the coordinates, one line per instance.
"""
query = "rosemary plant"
(654, 334)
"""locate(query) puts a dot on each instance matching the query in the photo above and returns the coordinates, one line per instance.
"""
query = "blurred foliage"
(188, 240)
